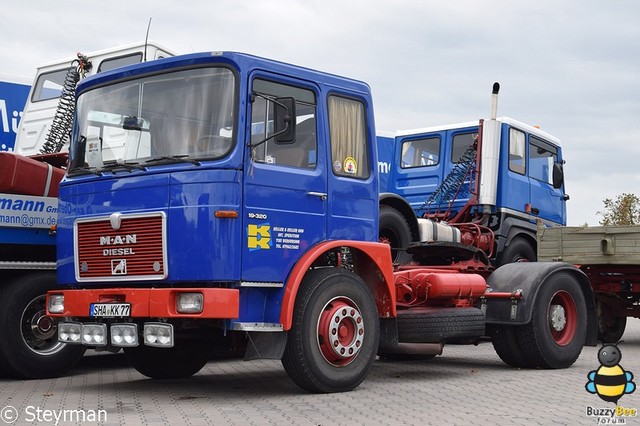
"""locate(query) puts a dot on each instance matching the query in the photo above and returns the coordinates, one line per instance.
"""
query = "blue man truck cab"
(503, 180)
(220, 196)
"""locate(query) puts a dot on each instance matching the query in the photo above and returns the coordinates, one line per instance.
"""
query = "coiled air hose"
(60, 129)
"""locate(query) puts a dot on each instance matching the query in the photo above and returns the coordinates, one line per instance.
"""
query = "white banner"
(25, 211)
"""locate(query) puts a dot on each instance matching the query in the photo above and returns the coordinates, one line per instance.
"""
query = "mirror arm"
(253, 145)
(287, 119)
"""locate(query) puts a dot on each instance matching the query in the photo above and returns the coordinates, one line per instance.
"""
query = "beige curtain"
(349, 156)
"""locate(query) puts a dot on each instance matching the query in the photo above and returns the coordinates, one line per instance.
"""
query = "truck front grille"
(121, 247)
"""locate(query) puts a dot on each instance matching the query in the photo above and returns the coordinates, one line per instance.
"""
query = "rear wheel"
(29, 347)
(557, 332)
(167, 363)
(394, 230)
(610, 327)
(505, 342)
(334, 337)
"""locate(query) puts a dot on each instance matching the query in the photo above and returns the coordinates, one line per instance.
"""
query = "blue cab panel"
(13, 97)
(200, 246)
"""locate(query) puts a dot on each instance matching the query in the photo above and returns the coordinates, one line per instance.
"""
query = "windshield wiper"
(76, 171)
(173, 159)
(111, 165)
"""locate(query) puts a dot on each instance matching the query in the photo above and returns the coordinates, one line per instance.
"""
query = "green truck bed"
(597, 245)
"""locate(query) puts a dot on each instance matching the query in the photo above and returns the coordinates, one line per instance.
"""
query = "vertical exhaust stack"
(489, 156)
(494, 101)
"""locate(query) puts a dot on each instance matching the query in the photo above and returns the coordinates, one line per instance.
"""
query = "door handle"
(321, 195)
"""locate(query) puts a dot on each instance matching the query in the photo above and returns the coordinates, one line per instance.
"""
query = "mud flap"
(527, 279)
(265, 345)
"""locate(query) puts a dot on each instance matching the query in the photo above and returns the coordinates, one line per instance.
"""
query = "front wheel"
(334, 337)
(177, 362)
(29, 347)
(519, 250)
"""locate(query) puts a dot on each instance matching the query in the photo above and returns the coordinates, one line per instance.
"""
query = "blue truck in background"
(218, 197)
(494, 181)
(13, 97)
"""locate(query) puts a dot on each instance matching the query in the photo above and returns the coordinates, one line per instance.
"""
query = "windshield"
(184, 115)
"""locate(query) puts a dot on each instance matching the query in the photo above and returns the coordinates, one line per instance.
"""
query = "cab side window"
(49, 85)
(420, 152)
(347, 129)
(517, 154)
(542, 157)
(113, 63)
(461, 144)
(302, 152)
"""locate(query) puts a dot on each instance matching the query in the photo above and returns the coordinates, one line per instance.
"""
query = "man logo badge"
(118, 266)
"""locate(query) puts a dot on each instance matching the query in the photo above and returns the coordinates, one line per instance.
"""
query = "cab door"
(353, 184)
(285, 185)
(547, 203)
(513, 182)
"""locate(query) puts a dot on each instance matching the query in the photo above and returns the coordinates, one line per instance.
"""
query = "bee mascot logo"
(610, 381)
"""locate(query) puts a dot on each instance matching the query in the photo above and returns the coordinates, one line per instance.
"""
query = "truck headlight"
(69, 332)
(158, 334)
(124, 335)
(56, 303)
(94, 334)
(190, 303)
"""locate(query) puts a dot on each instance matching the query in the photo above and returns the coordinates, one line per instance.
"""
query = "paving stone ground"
(466, 385)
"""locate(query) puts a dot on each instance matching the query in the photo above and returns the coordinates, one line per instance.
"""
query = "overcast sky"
(571, 67)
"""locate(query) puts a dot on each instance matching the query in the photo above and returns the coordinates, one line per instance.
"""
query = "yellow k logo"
(259, 237)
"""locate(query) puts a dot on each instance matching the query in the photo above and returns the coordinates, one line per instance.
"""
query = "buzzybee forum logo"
(610, 382)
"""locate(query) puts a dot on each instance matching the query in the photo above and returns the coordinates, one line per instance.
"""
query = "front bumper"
(139, 315)
(221, 303)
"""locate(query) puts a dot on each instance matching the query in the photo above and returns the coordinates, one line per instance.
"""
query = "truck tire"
(394, 230)
(440, 325)
(610, 328)
(505, 342)
(177, 362)
(557, 332)
(29, 347)
(334, 337)
(519, 250)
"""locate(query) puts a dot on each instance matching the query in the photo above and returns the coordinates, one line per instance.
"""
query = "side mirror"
(285, 120)
(558, 175)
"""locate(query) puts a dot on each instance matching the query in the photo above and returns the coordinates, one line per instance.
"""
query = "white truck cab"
(47, 88)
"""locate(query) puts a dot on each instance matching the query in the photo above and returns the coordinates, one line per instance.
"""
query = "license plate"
(110, 310)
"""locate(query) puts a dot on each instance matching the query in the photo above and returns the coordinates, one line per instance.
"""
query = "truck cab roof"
(506, 120)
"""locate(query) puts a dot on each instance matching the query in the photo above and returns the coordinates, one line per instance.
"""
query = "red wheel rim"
(563, 318)
(340, 331)
(384, 240)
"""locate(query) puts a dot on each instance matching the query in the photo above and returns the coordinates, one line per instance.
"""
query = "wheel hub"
(38, 330)
(42, 326)
(340, 331)
(557, 317)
